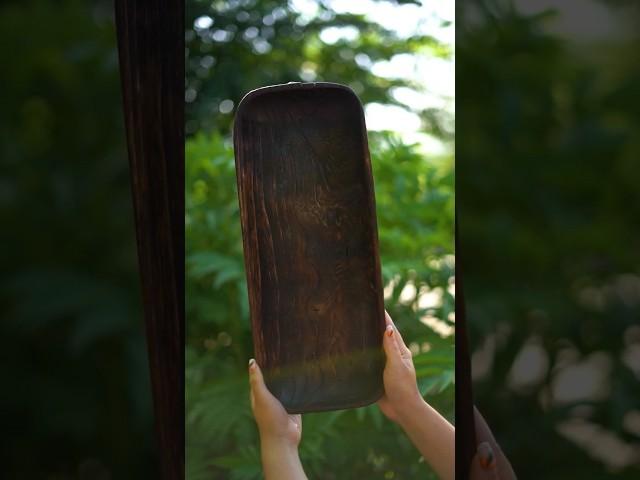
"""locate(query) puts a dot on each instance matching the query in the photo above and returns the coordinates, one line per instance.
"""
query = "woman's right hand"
(400, 385)
(429, 431)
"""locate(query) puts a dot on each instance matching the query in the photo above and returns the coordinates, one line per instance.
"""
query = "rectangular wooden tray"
(311, 245)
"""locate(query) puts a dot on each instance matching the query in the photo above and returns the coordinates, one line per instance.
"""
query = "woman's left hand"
(274, 423)
(280, 433)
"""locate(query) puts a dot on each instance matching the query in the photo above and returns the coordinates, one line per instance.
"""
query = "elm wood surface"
(151, 51)
(310, 242)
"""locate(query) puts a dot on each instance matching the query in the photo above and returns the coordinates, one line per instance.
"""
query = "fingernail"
(389, 330)
(252, 364)
(487, 458)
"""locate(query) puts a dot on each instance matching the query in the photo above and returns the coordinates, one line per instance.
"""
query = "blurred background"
(398, 57)
(549, 209)
(76, 396)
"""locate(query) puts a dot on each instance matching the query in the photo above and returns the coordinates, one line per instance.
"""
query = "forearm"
(280, 460)
(432, 435)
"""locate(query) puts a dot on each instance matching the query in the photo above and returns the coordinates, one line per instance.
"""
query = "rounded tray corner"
(256, 93)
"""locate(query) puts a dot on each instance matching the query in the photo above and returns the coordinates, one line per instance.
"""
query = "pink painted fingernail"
(389, 330)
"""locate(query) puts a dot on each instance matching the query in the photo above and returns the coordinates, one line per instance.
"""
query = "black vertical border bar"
(151, 53)
(465, 421)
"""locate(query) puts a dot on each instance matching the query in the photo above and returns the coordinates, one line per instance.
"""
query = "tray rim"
(292, 86)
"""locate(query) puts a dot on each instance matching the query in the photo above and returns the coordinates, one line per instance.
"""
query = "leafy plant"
(415, 215)
(232, 48)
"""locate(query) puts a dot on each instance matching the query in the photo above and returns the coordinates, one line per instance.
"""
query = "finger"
(390, 345)
(402, 347)
(259, 390)
(485, 435)
(400, 341)
(483, 465)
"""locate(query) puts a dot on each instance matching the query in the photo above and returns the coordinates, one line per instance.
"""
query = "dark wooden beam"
(465, 423)
(151, 51)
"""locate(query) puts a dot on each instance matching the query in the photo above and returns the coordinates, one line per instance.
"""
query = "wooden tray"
(310, 242)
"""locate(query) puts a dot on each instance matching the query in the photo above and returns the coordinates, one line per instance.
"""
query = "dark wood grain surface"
(151, 50)
(465, 423)
(310, 241)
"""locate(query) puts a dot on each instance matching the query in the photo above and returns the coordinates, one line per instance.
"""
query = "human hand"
(489, 462)
(274, 423)
(402, 403)
(401, 394)
(280, 432)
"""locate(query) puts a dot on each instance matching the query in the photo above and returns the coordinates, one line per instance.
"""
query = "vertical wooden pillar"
(151, 51)
(465, 423)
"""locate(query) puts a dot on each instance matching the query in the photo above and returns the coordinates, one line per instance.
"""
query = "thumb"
(483, 465)
(259, 390)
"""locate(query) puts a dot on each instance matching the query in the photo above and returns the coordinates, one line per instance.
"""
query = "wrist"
(411, 409)
(280, 459)
(432, 435)
(278, 444)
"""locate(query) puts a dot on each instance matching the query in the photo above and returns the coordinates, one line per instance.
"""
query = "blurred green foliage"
(251, 43)
(76, 396)
(415, 214)
(414, 196)
(547, 195)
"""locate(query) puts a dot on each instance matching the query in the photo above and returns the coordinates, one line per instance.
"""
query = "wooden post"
(465, 422)
(151, 52)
